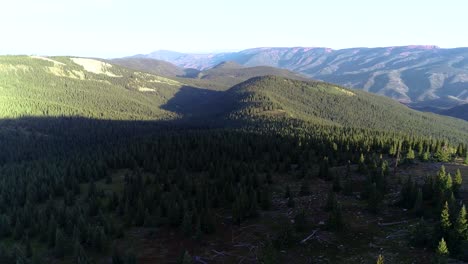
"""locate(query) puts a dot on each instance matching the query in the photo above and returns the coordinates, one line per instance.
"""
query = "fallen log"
(309, 237)
(392, 223)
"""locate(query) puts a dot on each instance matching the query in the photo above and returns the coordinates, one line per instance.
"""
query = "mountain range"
(95, 88)
(424, 77)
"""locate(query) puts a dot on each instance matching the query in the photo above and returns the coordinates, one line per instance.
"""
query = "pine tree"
(59, 244)
(445, 223)
(461, 225)
(421, 234)
(187, 224)
(457, 183)
(80, 254)
(324, 168)
(448, 182)
(375, 199)
(348, 187)
(291, 202)
(418, 203)
(287, 193)
(410, 155)
(185, 258)
(380, 260)
(337, 185)
(426, 156)
(441, 174)
(466, 158)
(442, 251)
(300, 221)
(442, 155)
(361, 164)
(335, 220)
(20, 256)
(28, 247)
(305, 188)
(331, 201)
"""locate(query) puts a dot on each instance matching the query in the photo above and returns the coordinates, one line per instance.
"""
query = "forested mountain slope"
(61, 86)
(275, 97)
(158, 67)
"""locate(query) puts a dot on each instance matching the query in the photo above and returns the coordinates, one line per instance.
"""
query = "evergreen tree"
(59, 244)
(305, 188)
(445, 223)
(324, 168)
(348, 183)
(269, 254)
(442, 155)
(28, 248)
(448, 182)
(300, 221)
(80, 255)
(187, 224)
(116, 256)
(457, 183)
(337, 185)
(442, 251)
(461, 225)
(441, 174)
(380, 260)
(331, 202)
(418, 203)
(375, 199)
(426, 156)
(291, 203)
(410, 155)
(185, 258)
(287, 193)
(20, 256)
(421, 234)
(335, 220)
(361, 164)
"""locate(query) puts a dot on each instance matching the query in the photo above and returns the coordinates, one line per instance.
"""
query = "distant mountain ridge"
(409, 74)
(220, 77)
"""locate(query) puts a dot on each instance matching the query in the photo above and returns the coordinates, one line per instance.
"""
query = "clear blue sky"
(112, 28)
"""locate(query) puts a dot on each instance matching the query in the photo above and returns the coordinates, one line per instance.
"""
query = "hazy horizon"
(117, 28)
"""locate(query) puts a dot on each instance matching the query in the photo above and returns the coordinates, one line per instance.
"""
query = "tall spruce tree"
(380, 260)
(457, 183)
(445, 223)
(461, 225)
(442, 252)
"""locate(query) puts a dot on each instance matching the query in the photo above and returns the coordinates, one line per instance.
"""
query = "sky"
(116, 28)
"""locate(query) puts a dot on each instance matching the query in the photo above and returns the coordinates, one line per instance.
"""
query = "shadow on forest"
(194, 102)
(21, 138)
(33, 138)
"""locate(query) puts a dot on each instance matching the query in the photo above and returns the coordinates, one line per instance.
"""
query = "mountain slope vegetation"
(276, 97)
(60, 86)
(157, 67)
(410, 74)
